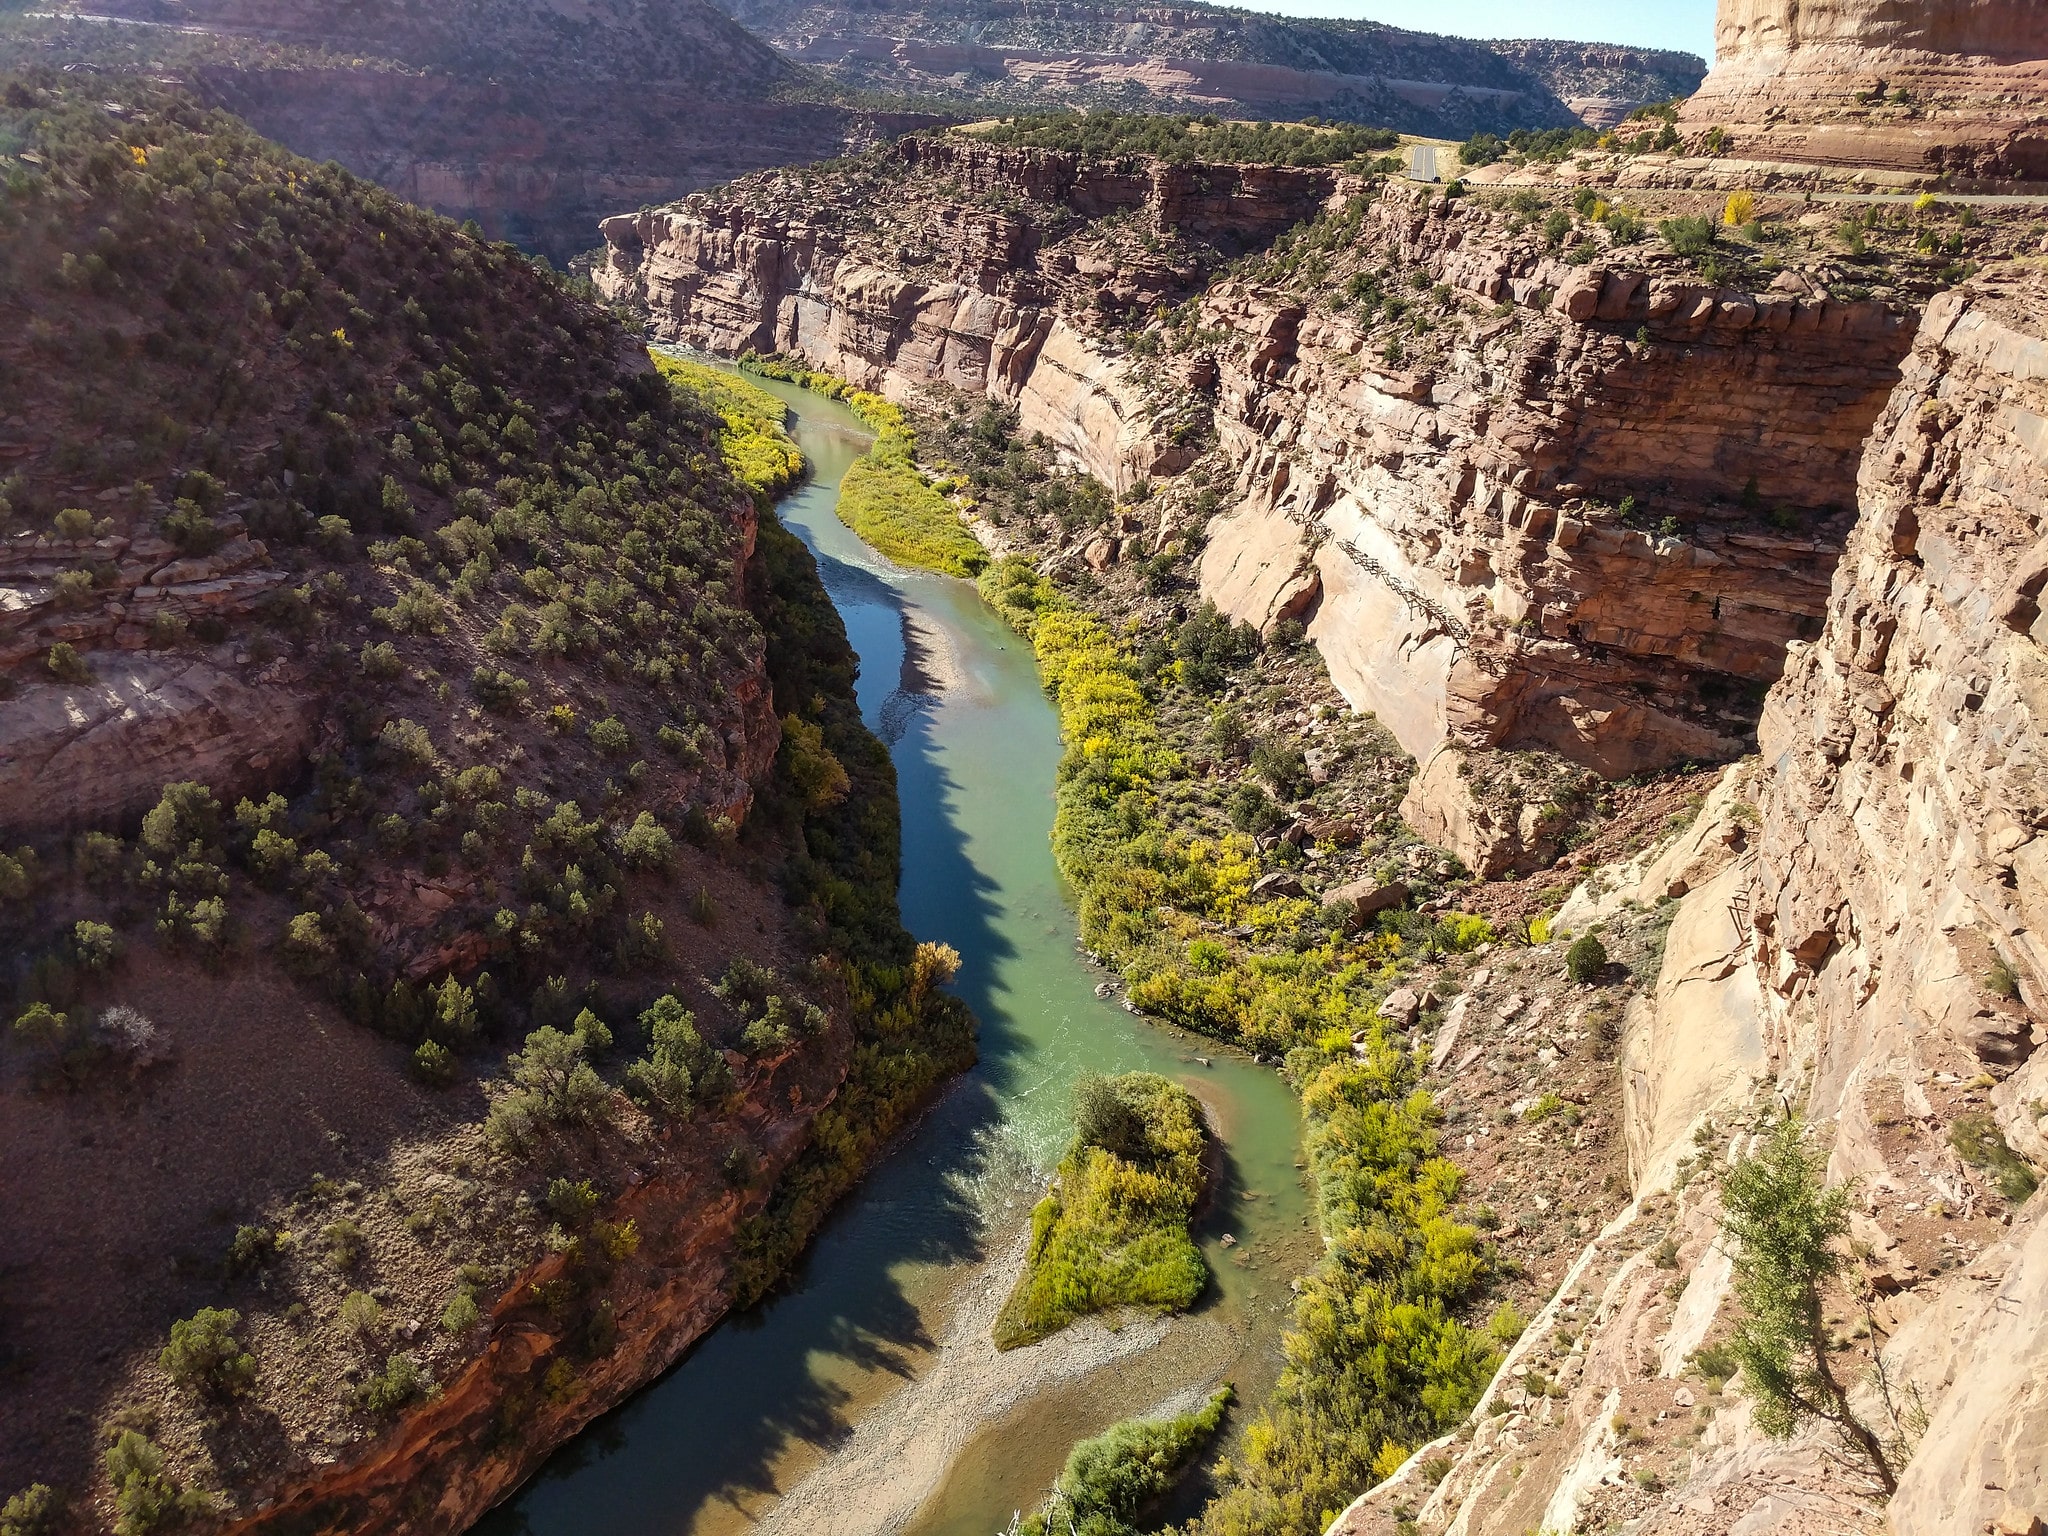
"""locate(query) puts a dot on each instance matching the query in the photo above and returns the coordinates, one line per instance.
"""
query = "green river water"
(763, 1401)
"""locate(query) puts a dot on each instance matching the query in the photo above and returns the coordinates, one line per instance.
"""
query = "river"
(861, 1396)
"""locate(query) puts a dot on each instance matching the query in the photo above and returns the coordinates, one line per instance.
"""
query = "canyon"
(533, 118)
(1613, 510)
(1202, 58)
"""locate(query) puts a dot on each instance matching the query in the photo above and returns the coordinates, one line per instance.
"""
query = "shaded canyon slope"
(1958, 89)
(397, 700)
(534, 117)
(1202, 58)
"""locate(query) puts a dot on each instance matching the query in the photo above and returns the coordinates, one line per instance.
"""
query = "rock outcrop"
(1859, 935)
(100, 752)
(1592, 526)
(1463, 515)
(1957, 89)
(978, 287)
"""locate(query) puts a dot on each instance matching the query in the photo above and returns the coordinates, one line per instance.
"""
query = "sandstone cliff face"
(1864, 944)
(1477, 583)
(1450, 527)
(978, 287)
(1959, 88)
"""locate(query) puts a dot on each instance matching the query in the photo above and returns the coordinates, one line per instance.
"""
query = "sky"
(1686, 24)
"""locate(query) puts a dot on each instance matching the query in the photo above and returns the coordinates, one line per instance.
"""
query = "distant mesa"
(1958, 88)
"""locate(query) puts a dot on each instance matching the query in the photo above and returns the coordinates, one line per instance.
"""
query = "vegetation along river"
(863, 1396)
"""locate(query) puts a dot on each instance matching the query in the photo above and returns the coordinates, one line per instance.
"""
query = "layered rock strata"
(1859, 937)
(535, 118)
(981, 287)
(1956, 89)
(1192, 57)
(1463, 532)
(1478, 583)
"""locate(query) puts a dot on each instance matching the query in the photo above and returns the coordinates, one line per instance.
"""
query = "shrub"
(252, 1248)
(73, 589)
(1586, 959)
(1109, 1482)
(1739, 209)
(646, 843)
(1283, 766)
(306, 949)
(461, 1313)
(572, 1202)
(399, 1383)
(361, 1314)
(146, 1498)
(205, 1357)
(563, 1086)
(820, 778)
(1688, 236)
(611, 738)
(32, 1512)
(66, 665)
(1979, 1142)
(188, 527)
(380, 660)
(498, 690)
(345, 1243)
(72, 523)
(95, 945)
(407, 742)
(1114, 1230)
(433, 1064)
(1788, 1224)
(665, 1077)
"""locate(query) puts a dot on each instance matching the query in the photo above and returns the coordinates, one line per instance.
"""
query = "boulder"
(1401, 1006)
(1278, 883)
(1366, 898)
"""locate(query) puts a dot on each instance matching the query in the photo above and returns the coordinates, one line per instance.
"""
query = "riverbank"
(779, 1395)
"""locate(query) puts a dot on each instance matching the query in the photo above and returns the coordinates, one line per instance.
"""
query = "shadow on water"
(790, 1371)
(770, 1392)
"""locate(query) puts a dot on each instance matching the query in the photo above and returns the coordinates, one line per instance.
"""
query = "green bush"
(433, 1064)
(146, 1498)
(461, 1314)
(1109, 1482)
(252, 1248)
(1586, 959)
(1114, 1231)
(66, 665)
(361, 1314)
(1788, 1225)
(205, 1357)
(1688, 236)
(1979, 1142)
(399, 1384)
(32, 1512)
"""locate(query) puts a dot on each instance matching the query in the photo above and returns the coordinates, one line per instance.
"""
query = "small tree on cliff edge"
(1788, 1224)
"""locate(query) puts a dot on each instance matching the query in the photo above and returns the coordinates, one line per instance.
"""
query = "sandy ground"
(876, 1482)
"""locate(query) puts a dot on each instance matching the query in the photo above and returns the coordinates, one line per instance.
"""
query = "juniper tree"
(1788, 1224)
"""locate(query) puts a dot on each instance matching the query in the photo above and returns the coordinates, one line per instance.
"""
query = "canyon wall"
(1866, 946)
(1463, 515)
(1958, 88)
(1591, 524)
(976, 290)
(1202, 58)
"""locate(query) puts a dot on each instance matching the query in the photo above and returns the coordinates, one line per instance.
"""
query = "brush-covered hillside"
(447, 933)
(534, 117)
